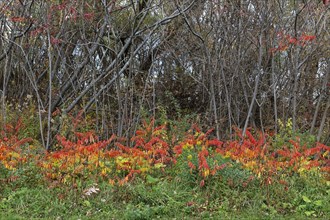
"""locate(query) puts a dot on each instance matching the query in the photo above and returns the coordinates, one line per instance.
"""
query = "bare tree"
(234, 63)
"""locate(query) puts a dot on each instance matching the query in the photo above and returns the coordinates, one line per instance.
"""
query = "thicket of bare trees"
(234, 63)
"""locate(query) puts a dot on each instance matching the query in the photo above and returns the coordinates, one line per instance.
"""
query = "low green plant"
(286, 133)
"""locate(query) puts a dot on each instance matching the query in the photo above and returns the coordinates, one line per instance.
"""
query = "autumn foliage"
(285, 41)
(151, 151)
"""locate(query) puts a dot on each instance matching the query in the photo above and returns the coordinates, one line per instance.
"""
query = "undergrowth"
(160, 173)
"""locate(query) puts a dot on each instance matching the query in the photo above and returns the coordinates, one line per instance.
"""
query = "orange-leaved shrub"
(255, 152)
(151, 151)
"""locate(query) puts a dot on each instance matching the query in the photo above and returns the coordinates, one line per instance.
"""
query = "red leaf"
(251, 138)
(307, 37)
(89, 16)
(177, 150)
(196, 128)
(113, 153)
(17, 19)
(23, 141)
(55, 41)
(191, 165)
(140, 132)
(215, 142)
(293, 40)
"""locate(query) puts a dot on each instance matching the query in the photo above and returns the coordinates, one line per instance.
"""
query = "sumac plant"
(200, 155)
(152, 151)
(255, 153)
(110, 159)
(14, 151)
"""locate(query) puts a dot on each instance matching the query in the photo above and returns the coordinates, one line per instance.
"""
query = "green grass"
(167, 198)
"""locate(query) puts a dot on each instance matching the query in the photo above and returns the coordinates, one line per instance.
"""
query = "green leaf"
(306, 199)
(287, 205)
(159, 165)
(318, 202)
(309, 213)
(151, 180)
(264, 206)
(272, 210)
(87, 203)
